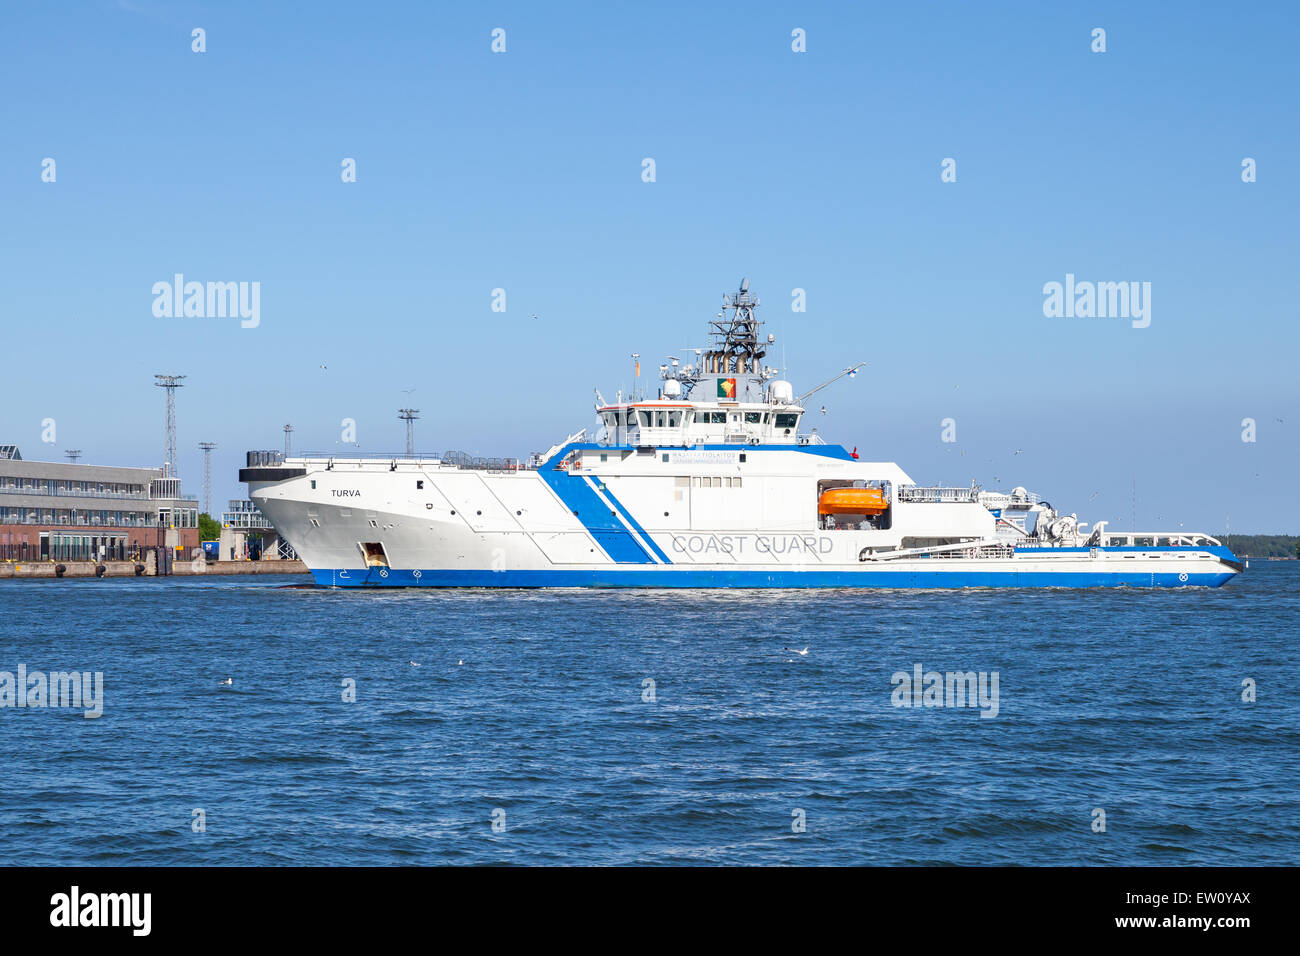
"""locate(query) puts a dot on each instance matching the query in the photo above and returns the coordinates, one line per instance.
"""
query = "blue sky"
(522, 170)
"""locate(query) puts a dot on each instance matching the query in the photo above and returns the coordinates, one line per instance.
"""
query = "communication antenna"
(207, 447)
(170, 383)
(409, 415)
(73, 454)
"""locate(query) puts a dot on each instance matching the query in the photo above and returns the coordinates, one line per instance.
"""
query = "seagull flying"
(802, 653)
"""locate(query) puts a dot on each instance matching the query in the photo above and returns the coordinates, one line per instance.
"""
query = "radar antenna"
(737, 349)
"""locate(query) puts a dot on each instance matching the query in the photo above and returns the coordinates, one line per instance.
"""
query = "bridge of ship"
(664, 422)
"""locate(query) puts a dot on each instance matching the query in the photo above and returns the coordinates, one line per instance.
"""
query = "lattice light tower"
(288, 440)
(170, 383)
(409, 415)
(73, 454)
(207, 447)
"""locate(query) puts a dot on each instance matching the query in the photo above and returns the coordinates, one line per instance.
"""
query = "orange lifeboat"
(851, 501)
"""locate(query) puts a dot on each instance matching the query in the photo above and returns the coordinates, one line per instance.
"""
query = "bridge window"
(787, 420)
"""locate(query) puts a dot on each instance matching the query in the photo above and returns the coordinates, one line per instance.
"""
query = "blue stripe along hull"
(681, 578)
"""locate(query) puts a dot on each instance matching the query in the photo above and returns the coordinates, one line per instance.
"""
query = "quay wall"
(120, 569)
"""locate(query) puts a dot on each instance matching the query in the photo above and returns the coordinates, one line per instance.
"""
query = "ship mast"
(736, 349)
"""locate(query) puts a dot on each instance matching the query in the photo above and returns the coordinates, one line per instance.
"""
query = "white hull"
(709, 484)
(438, 525)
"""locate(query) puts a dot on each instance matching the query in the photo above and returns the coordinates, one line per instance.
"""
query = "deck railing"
(936, 494)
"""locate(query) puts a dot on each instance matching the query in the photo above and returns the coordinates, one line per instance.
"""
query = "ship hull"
(754, 579)
(645, 521)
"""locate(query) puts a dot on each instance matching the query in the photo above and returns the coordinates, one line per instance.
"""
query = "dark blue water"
(1125, 700)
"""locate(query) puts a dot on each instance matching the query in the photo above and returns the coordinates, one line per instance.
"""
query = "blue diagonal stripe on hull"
(604, 526)
(627, 516)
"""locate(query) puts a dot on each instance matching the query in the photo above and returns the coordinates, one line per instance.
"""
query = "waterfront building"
(64, 511)
(247, 535)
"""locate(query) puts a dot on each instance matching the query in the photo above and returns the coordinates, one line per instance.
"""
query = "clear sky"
(522, 170)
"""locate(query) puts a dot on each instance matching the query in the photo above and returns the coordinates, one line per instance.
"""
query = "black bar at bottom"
(945, 905)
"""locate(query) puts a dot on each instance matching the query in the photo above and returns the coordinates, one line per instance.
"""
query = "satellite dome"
(780, 392)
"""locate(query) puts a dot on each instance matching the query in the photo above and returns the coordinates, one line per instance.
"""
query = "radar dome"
(672, 388)
(780, 392)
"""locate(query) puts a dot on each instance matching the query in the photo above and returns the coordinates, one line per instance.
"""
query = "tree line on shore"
(1263, 545)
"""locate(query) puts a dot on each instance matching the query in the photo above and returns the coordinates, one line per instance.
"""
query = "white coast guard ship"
(713, 482)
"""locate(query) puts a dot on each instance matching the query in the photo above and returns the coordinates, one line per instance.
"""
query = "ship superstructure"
(713, 482)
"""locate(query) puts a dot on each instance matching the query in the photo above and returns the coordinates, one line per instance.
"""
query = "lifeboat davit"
(851, 501)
